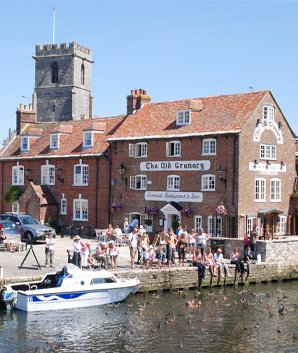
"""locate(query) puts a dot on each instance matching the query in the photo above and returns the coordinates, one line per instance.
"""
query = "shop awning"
(264, 211)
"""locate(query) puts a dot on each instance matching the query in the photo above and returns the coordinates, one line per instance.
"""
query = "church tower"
(62, 82)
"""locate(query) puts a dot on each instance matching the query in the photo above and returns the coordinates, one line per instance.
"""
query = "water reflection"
(230, 320)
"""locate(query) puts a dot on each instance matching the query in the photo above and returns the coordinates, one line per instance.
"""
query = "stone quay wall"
(187, 278)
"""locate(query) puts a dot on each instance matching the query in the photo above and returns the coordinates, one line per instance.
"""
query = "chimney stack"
(25, 115)
(136, 99)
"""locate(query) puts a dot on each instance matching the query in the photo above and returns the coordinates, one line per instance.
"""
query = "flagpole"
(54, 25)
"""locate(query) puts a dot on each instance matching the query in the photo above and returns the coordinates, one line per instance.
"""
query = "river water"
(259, 318)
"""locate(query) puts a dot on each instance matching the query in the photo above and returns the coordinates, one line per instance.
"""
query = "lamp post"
(122, 170)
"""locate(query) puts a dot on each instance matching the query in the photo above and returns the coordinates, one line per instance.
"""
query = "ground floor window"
(282, 224)
(198, 223)
(214, 226)
(15, 206)
(80, 210)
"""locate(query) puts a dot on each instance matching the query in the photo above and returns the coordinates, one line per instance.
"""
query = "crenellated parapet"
(62, 49)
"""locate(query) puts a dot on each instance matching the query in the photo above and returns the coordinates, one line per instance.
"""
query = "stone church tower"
(62, 82)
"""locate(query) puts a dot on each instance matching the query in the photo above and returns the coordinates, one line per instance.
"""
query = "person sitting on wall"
(234, 259)
(101, 254)
(5, 241)
(198, 262)
(219, 261)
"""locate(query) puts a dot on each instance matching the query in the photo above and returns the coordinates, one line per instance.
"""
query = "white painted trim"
(144, 137)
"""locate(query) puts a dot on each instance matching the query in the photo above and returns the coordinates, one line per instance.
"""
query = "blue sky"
(173, 49)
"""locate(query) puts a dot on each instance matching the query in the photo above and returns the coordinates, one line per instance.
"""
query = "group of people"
(183, 243)
(105, 254)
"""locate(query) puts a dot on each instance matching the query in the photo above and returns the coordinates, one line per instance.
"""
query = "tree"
(13, 193)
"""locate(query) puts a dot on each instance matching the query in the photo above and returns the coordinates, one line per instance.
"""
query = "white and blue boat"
(69, 287)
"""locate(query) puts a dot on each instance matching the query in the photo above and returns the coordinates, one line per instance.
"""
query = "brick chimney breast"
(136, 99)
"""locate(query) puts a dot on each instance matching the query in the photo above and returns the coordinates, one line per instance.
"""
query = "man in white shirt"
(133, 246)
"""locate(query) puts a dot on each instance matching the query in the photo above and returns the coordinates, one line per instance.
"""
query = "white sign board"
(264, 167)
(268, 125)
(173, 196)
(157, 166)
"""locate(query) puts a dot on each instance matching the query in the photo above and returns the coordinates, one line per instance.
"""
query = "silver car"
(30, 229)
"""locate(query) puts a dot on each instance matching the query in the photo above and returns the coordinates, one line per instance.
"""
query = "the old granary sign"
(157, 166)
(268, 125)
(173, 196)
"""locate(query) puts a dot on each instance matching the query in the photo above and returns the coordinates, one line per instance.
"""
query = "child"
(49, 250)
(160, 255)
(150, 255)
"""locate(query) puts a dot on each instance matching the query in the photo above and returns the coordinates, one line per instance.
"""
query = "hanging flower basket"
(116, 206)
(187, 212)
(152, 211)
(221, 210)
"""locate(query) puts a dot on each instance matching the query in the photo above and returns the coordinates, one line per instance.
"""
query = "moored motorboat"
(69, 287)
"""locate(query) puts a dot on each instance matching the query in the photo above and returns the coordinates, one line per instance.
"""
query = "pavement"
(10, 263)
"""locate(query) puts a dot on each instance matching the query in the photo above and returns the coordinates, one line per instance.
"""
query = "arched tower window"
(82, 74)
(54, 72)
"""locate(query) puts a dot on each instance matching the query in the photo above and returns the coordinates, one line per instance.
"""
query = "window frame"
(198, 223)
(268, 152)
(173, 182)
(82, 203)
(88, 136)
(211, 179)
(82, 178)
(268, 113)
(207, 148)
(63, 206)
(174, 146)
(214, 225)
(54, 145)
(183, 117)
(15, 207)
(282, 224)
(275, 190)
(138, 150)
(17, 175)
(25, 144)
(259, 192)
(82, 74)
(54, 72)
(47, 174)
(140, 179)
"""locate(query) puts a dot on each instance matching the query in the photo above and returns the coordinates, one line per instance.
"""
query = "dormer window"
(183, 117)
(25, 144)
(268, 112)
(54, 141)
(88, 139)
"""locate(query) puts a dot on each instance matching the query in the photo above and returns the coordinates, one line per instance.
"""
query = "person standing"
(50, 250)
(77, 247)
(84, 254)
(133, 246)
(253, 241)
(202, 241)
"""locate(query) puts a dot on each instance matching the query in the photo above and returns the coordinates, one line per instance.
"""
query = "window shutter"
(143, 182)
(132, 150)
(132, 182)
(168, 149)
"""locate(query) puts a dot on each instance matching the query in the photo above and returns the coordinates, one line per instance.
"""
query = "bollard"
(1, 273)
(259, 259)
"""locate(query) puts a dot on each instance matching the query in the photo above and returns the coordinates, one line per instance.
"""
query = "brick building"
(222, 163)
(58, 154)
(180, 160)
